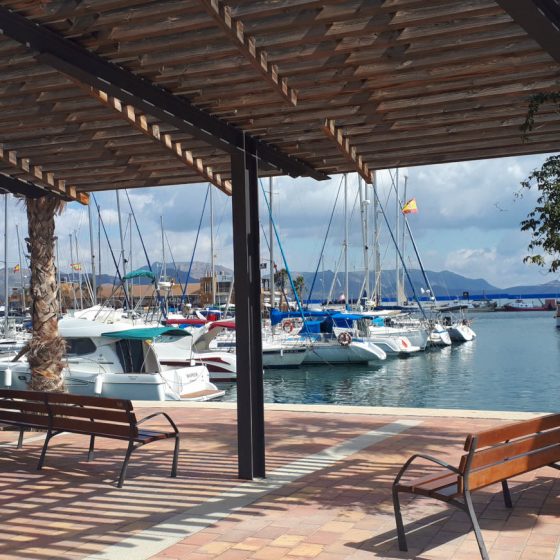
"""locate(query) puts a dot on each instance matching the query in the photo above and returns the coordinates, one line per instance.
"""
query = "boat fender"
(404, 342)
(344, 338)
(7, 377)
(98, 388)
(288, 326)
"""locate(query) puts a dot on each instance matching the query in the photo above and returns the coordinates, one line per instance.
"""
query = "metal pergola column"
(247, 280)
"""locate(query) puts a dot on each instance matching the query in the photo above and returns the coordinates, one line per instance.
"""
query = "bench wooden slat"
(95, 427)
(113, 415)
(26, 395)
(17, 418)
(98, 402)
(505, 451)
(430, 482)
(22, 406)
(525, 463)
(513, 431)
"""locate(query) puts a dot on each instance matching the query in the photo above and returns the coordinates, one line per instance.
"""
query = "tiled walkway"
(326, 496)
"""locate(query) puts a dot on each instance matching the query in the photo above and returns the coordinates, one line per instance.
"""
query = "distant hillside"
(444, 283)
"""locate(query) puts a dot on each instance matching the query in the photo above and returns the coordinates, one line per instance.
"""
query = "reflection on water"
(514, 364)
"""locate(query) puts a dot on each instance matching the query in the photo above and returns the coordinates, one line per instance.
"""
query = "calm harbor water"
(514, 364)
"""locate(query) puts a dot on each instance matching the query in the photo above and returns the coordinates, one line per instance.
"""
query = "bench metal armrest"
(427, 458)
(149, 417)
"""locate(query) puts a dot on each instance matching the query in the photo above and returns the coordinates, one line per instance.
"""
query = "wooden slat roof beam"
(344, 145)
(247, 46)
(140, 122)
(37, 175)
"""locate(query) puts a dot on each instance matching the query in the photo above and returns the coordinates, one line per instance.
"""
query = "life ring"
(344, 338)
(288, 326)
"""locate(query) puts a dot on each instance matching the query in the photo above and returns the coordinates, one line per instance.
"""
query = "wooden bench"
(491, 456)
(92, 416)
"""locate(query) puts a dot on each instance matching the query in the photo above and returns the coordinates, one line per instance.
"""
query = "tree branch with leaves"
(544, 220)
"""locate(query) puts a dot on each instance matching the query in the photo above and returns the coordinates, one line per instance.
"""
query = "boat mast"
(125, 284)
(130, 262)
(377, 288)
(397, 221)
(212, 259)
(346, 283)
(72, 273)
(271, 238)
(163, 270)
(403, 219)
(20, 271)
(92, 250)
(6, 294)
(58, 277)
(364, 202)
(79, 264)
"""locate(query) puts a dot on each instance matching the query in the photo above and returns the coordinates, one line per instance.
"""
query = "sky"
(468, 222)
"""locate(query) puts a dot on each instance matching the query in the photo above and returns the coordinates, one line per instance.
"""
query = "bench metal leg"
(398, 520)
(125, 463)
(476, 526)
(175, 457)
(20, 438)
(91, 446)
(507, 495)
(44, 450)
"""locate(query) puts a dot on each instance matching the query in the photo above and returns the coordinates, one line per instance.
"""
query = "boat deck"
(326, 496)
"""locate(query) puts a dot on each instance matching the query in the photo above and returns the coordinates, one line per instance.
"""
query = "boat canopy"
(146, 333)
(344, 319)
(277, 317)
(140, 274)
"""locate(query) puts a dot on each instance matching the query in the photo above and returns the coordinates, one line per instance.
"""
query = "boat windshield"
(79, 346)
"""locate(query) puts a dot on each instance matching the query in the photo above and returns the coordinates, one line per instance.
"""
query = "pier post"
(247, 280)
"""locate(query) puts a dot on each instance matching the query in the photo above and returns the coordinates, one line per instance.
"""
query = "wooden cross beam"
(344, 145)
(140, 122)
(247, 46)
(37, 175)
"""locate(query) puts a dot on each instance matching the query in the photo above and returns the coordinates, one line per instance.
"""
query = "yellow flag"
(410, 207)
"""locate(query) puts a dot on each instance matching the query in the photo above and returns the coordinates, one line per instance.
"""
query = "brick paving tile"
(539, 553)
(270, 553)
(215, 547)
(306, 550)
(251, 543)
(288, 541)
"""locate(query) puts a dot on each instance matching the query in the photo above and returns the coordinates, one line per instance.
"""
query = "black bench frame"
(49, 414)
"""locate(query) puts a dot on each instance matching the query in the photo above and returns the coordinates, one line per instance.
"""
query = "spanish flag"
(410, 207)
(76, 266)
(17, 268)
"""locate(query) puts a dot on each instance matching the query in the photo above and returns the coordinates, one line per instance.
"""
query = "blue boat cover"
(146, 333)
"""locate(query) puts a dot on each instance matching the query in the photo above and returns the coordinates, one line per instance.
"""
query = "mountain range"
(444, 284)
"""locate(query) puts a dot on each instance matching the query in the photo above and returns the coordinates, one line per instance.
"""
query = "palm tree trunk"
(46, 349)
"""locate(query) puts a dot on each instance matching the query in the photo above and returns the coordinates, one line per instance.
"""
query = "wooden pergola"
(112, 94)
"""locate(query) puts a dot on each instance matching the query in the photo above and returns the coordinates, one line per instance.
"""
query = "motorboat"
(439, 335)
(522, 305)
(116, 363)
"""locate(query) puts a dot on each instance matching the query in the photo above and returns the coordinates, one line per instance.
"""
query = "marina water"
(514, 364)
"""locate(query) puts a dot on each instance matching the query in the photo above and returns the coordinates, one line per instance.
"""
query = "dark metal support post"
(247, 281)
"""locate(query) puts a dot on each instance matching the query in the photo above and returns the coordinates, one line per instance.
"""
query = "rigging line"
(428, 285)
(195, 244)
(298, 302)
(321, 254)
(112, 255)
(402, 260)
(156, 285)
(173, 261)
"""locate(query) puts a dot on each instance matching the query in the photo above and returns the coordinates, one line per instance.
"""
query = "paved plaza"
(327, 494)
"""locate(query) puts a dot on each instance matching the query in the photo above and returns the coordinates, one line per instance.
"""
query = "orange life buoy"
(344, 338)
(288, 326)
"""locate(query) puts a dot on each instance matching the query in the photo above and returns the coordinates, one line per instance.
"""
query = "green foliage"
(544, 221)
(534, 105)
(299, 284)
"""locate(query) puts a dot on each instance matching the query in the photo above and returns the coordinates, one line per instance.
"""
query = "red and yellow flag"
(410, 207)
(76, 266)
(17, 268)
